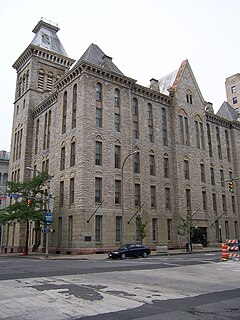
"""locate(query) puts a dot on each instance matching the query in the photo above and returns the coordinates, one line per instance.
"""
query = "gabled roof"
(46, 37)
(96, 56)
(226, 111)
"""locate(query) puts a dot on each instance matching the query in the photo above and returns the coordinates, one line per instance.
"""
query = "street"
(187, 287)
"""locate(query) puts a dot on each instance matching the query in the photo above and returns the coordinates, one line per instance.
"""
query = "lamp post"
(122, 200)
(48, 208)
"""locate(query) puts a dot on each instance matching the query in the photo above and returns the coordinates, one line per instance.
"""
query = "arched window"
(189, 97)
(73, 152)
(64, 114)
(41, 79)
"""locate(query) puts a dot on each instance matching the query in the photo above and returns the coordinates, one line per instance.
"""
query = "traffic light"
(230, 186)
(29, 203)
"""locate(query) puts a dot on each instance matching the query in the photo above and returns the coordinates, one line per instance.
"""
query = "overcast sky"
(146, 39)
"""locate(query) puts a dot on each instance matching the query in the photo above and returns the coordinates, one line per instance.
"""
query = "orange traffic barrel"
(225, 253)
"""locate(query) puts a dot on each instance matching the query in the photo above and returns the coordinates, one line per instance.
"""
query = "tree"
(187, 227)
(141, 227)
(28, 204)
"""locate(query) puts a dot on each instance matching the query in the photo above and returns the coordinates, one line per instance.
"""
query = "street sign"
(13, 195)
(48, 217)
(46, 230)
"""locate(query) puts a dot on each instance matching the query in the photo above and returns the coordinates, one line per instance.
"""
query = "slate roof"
(95, 56)
(46, 37)
(167, 82)
(226, 111)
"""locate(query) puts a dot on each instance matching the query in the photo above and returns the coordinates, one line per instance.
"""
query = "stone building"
(117, 150)
(4, 167)
(232, 85)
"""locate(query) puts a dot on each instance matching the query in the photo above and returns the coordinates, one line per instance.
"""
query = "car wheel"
(144, 254)
(123, 256)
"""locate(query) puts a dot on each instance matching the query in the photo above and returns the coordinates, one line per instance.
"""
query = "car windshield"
(123, 247)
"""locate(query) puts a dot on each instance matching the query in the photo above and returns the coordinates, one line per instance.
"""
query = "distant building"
(117, 149)
(232, 85)
(4, 167)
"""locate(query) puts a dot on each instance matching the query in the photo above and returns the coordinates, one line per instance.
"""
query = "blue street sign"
(46, 230)
(13, 195)
(48, 217)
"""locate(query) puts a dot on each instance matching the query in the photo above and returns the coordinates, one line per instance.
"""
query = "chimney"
(154, 84)
(107, 62)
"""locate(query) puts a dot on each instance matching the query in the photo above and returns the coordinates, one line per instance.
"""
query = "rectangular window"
(167, 199)
(202, 136)
(233, 89)
(209, 140)
(74, 107)
(72, 156)
(62, 161)
(214, 202)
(181, 138)
(233, 205)
(137, 195)
(166, 168)
(98, 190)
(64, 112)
(70, 229)
(212, 176)
(186, 169)
(224, 204)
(118, 229)
(117, 122)
(188, 199)
(234, 100)
(204, 200)
(154, 229)
(222, 178)
(59, 230)
(228, 146)
(117, 157)
(152, 165)
(197, 134)
(118, 192)
(136, 162)
(98, 153)
(236, 233)
(169, 229)
(71, 196)
(227, 229)
(61, 193)
(186, 131)
(218, 143)
(153, 197)
(98, 118)
(202, 170)
(164, 127)
(98, 228)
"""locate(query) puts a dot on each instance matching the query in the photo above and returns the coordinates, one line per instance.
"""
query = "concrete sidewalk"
(102, 256)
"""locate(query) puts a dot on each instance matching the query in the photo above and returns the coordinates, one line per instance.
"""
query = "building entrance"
(200, 236)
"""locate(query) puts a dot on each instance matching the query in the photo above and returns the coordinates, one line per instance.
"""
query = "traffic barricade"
(233, 248)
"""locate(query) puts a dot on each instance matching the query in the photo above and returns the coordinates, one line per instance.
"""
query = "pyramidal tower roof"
(226, 111)
(96, 56)
(46, 37)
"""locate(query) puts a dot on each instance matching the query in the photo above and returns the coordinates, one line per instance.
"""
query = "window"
(209, 140)
(118, 229)
(137, 195)
(49, 81)
(153, 197)
(202, 171)
(227, 229)
(214, 202)
(236, 229)
(164, 127)
(37, 136)
(71, 196)
(41, 76)
(98, 118)
(62, 161)
(118, 192)
(61, 193)
(152, 165)
(188, 199)
(204, 200)
(233, 89)
(98, 153)
(189, 97)
(224, 204)
(99, 92)
(135, 119)
(166, 167)
(186, 169)
(117, 122)
(116, 98)
(98, 190)
(64, 113)
(98, 228)
(169, 229)
(117, 157)
(70, 229)
(222, 178)
(59, 230)
(154, 229)
(48, 128)
(234, 100)
(199, 135)
(233, 205)
(45, 132)
(167, 199)
(72, 155)
(136, 162)
(228, 146)
(74, 106)
(183, 130)
(150, 122)
(212, 176)
(218, 143)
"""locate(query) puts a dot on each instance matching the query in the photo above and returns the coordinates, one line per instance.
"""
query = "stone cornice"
(151, 94)
(48, 102)
(45, 54)
(210, 117)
